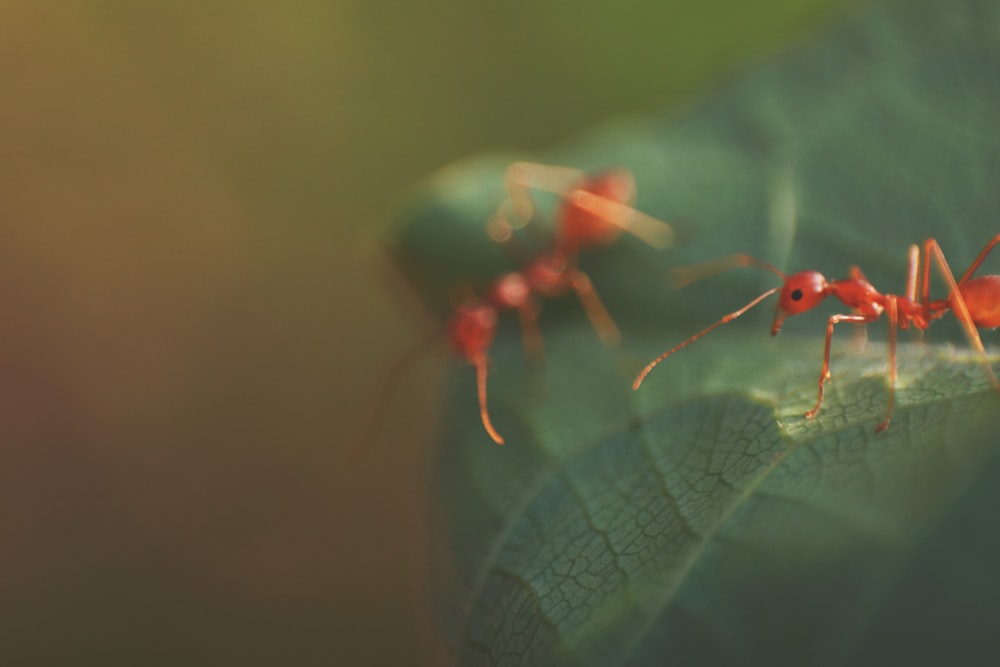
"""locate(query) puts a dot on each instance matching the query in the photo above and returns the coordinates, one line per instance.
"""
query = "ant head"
(801, 292)
(471, 329)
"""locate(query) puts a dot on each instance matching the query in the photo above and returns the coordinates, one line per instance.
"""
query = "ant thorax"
(511, 290)
(860, 295)
(547, 274)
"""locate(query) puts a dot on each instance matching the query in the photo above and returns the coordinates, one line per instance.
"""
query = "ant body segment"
(974, 301)
(592, 212)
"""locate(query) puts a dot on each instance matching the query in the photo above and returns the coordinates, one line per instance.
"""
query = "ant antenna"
(728, 318)
(403, 364)
(695, 272)
(685, 275)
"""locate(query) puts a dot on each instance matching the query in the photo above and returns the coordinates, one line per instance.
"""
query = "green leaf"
(703, 519)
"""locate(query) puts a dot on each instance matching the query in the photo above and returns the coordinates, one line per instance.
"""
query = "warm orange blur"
(194, 310)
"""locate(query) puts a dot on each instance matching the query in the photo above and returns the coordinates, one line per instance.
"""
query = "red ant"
(974, 301)
(594, 210)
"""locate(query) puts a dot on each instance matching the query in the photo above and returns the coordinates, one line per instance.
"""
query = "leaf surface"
(703, 520)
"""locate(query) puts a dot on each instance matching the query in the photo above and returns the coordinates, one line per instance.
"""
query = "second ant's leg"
(651, 231)
(531, 336)
(523, 177)
(571, 184)
(501, 230)
(825, 373)
(594, 307)
(892, 310)
(374, 414)
(958, 302)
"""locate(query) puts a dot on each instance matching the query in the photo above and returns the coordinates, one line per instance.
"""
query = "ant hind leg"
(956, 300)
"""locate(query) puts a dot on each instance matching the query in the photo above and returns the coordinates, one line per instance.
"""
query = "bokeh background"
(196, 310)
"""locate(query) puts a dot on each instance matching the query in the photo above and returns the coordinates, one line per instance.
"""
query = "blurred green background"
(197, 310)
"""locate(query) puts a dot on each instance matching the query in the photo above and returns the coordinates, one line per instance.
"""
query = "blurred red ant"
(593, 211)
(974, 301)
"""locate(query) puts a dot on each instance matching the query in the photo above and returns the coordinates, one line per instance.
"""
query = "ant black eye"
(796, 295)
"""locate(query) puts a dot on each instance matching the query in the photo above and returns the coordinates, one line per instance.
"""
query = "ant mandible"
(593, 211)
(974, 301)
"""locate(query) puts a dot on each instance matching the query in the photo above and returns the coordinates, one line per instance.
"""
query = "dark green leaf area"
(703, 519)
(702, 516)
(442, 243)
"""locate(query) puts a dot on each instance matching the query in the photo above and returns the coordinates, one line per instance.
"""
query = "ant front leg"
(518, 207)
(523, 177)
(531, 335)
(593, 306)
(825, 373)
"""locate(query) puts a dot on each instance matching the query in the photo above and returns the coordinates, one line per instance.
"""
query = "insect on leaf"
(703, 519)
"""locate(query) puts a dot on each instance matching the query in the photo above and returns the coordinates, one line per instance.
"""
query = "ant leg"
(594, 307)
(531, 336)
(925, 289)
(957, 301)
(860, 334)
(685, 275)
(932, 243)
(381, 400)
(892, 310)
(571, 184)
(912, 271)
(481, 361)
(523, 177)
(860, 330)
(825, 373)
(500, 228)
(979, 260)
(646, 228)
(518, 208)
